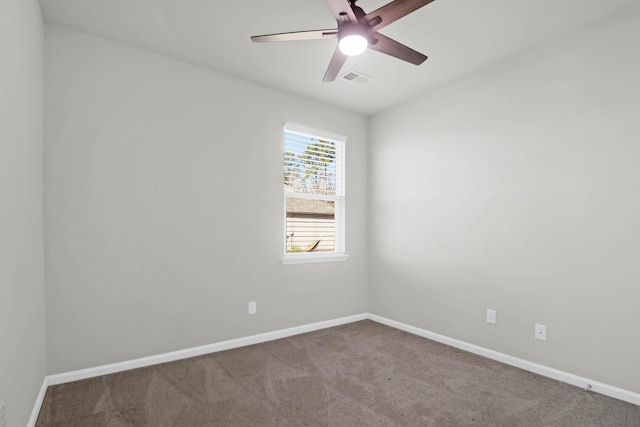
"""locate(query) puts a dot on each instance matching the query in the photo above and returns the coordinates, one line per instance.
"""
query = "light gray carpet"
(360, 374)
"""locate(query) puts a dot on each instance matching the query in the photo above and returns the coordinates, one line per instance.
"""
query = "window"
(314, 195)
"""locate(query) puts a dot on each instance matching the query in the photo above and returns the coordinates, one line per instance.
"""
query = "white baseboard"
(36, 408)
(584, 383)
(566, 377)
(197, 351)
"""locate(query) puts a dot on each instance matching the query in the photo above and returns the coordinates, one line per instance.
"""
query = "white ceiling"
(459, 36)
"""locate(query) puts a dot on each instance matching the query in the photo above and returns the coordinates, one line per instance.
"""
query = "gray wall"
(157, 174)
(22, 336)
(518, 189)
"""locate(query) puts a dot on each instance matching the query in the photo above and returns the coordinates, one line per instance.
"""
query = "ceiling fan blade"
(393, 11)
(391, 47)
(296, 35)
(337, 61)
(341, 10)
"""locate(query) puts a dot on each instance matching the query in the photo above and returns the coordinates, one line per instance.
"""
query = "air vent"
(356, 77)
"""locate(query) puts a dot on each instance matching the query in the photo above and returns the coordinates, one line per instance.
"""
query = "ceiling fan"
(358, 30)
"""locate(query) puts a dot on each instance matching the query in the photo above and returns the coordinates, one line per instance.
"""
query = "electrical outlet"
(541, 332)
(491, 316)
(3, 417)
(252, 307)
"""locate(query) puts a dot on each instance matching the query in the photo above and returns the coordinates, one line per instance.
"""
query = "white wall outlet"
(491, 316)
(252, 307)
(3, 417)
(541, 332)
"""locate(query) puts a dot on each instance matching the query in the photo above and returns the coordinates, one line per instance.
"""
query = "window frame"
(338, 254)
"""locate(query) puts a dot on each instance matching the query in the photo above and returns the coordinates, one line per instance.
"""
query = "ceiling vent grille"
(356, 77)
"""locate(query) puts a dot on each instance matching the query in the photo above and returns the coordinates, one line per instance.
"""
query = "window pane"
(310, 225)
(314, 191)
(309, 165)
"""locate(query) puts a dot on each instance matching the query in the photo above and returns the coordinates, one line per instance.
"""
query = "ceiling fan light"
(353, 44)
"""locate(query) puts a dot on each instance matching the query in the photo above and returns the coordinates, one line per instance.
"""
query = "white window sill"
(311, 258)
